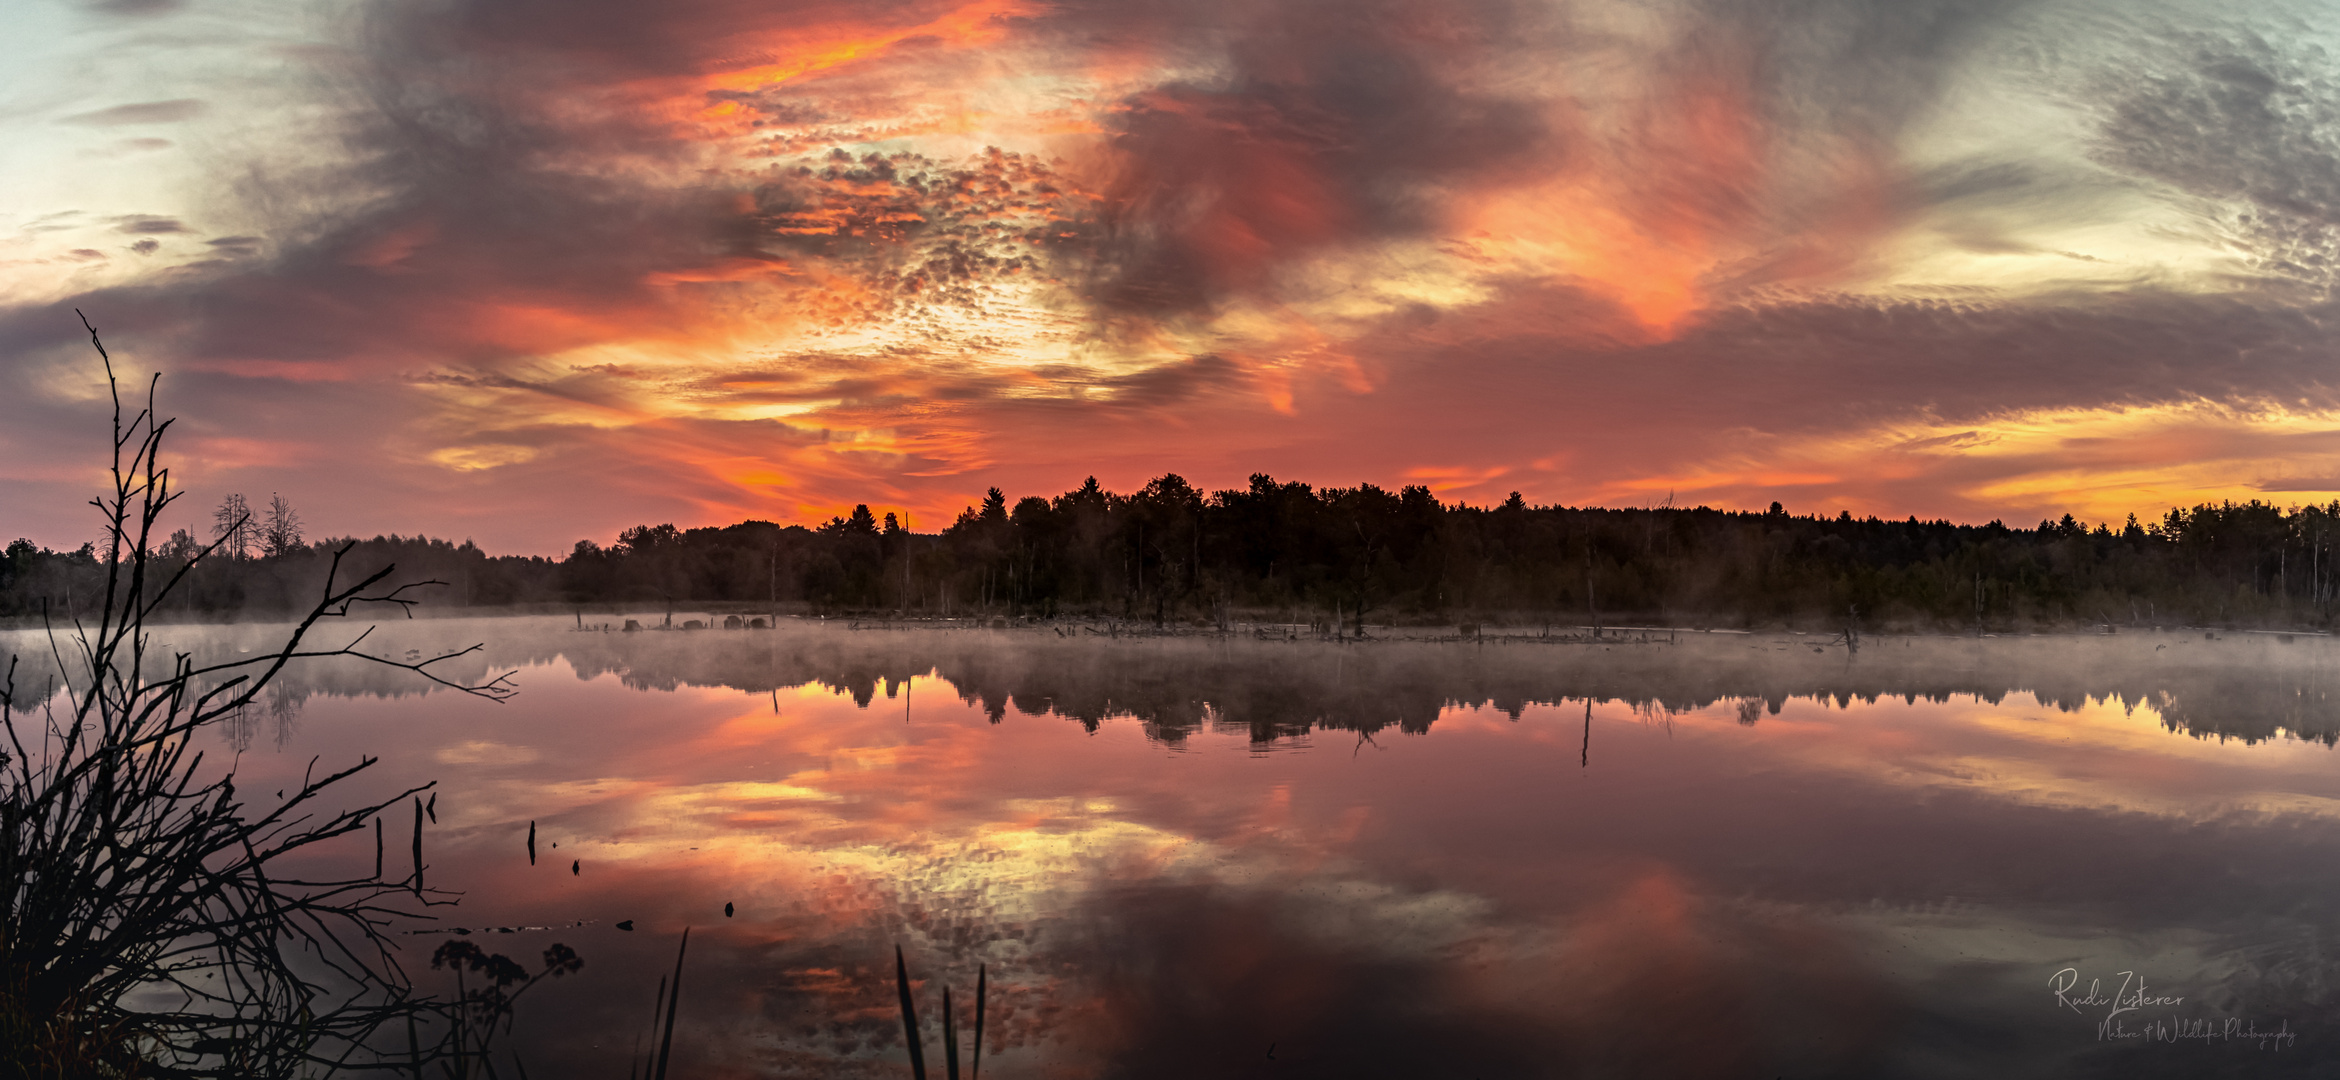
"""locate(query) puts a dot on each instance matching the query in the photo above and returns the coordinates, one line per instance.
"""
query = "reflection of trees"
(2252, 709)
(284, 711)
(278, 710)
(2248, 688)
(2251, 689)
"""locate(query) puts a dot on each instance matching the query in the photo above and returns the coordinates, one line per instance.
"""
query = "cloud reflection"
(1788, 853)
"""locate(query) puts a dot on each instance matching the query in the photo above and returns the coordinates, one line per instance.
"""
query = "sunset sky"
(530, 271)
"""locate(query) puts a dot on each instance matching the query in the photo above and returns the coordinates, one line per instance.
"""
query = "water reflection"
(2251, 690)
(1734, 856)
(2250, 687)
(278, 711)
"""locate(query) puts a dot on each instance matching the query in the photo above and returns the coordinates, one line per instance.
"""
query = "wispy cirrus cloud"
(144, 112)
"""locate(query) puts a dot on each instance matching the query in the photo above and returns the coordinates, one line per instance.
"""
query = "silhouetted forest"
(1171, 555)
(274, 584)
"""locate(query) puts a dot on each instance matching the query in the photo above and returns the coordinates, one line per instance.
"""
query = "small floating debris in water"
(627, 926)
(727, 910)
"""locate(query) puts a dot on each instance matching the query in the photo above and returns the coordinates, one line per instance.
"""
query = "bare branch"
(127, 866)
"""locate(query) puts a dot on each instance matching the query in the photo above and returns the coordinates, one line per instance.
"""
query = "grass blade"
(673, 999)
(950, 1039)
(909, 1017)
(980, 988)
(418, 818)
(657, 1009)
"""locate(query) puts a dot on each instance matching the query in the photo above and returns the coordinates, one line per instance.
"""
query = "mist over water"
(1726, 855)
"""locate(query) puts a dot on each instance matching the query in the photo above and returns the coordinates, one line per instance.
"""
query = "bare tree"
(231, 526)
(280, 529)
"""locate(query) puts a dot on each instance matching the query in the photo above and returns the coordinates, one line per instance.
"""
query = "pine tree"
(181, 546)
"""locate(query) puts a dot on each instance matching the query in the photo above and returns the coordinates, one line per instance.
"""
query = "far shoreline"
(1489, 626)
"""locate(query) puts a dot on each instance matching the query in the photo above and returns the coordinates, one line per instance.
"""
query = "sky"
(529, 272)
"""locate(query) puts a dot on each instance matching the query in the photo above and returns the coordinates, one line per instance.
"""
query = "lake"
(1718, 855)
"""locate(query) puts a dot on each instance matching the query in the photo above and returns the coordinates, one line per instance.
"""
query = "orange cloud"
(793, 53)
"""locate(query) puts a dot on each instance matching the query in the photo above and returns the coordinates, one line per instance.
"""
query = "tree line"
(261, 564)
(1170, 554)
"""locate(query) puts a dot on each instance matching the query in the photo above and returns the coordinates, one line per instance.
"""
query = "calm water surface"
(1731, 857)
